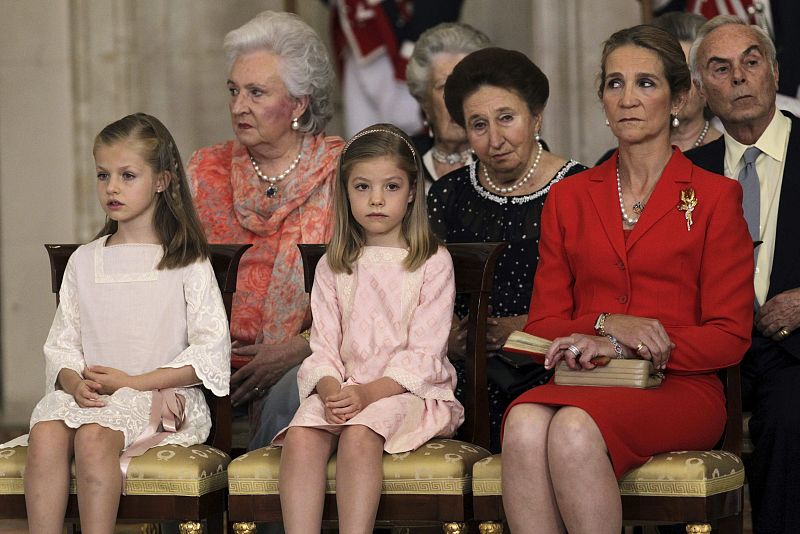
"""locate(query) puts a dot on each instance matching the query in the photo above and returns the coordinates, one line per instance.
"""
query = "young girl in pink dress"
(140, 321)
(378, 378)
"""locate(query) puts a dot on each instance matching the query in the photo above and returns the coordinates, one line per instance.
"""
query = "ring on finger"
(640, 346)
(783, 333)
(574, 350)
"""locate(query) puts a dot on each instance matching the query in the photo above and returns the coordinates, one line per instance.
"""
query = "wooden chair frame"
(474, 275)
(723, 510)
(189, 510)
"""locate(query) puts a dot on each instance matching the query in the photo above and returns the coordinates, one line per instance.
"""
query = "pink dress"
(384, 321)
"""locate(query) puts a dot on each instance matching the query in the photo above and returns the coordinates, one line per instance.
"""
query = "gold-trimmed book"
(524, 343)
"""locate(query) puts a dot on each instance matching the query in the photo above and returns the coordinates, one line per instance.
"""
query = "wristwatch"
(600, 324)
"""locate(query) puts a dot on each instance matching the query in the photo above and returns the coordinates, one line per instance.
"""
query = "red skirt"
(687, 412)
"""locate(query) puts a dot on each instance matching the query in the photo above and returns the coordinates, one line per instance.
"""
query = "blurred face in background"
(444, 128)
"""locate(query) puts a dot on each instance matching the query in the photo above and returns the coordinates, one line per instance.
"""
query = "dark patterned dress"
(461, 210)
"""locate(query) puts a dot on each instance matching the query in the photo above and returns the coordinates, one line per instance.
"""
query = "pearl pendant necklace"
(702, 136)
(629, 220)
(451, 158)
(521, 182)
(272, 189)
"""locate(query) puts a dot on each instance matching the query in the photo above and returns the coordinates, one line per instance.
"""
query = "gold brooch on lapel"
(687, 204)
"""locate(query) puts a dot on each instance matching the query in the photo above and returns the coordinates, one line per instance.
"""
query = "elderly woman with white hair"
(272, 186)
(436, 52)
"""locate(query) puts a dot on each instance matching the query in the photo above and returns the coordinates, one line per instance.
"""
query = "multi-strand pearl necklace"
(272, 189)
(702, 136)
(521, 181)
(451, 158)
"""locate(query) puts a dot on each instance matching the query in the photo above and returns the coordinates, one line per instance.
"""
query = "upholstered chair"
(167, 483)
(431, 485)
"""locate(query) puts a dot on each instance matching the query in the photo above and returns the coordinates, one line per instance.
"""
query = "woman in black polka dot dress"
(498, 96)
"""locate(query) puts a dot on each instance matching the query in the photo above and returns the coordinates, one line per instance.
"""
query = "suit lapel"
(786, 259)
(666, 196)
(710, 157)
(603, 192)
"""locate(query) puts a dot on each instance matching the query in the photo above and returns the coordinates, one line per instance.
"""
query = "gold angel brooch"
(687, 204)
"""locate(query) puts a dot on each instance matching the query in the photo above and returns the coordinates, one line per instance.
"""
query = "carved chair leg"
(454, 528)
(490, 527)
(190, 527)
(244, 528)
(698, 528)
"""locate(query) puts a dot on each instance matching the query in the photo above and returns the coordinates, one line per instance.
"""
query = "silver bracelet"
(617, 347)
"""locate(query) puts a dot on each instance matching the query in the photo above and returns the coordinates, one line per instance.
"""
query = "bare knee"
(573, 433)
(96, 443)
(304, 444)
(360, 441)
(526, 427)
(50, 439)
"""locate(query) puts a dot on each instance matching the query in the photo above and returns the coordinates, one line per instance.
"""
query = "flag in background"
(711, 8)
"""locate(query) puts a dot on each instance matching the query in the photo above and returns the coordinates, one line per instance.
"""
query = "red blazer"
(698, 282)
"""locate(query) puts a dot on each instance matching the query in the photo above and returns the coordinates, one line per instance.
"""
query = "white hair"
(304, 65)
(446, 38)
(764, 41)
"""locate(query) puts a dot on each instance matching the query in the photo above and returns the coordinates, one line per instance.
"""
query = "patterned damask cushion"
(166, 470)
(486, 477)
(441, 466)
(685, 474)
(672, 474)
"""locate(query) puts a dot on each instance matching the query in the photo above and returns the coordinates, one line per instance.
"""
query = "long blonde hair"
(174, 219)
(348, 239)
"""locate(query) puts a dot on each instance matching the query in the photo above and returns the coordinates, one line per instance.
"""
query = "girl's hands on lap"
(588, 347)
(348, 402)
(86, 394)
(327, 387)
(631, 331)
(108, 379)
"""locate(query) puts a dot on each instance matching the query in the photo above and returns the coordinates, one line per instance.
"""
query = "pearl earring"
(675, 121)
(537, 137)
(607, 123)
(295, 124)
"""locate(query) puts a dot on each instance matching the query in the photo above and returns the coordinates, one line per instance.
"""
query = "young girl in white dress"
(378, 378)
(140, 322)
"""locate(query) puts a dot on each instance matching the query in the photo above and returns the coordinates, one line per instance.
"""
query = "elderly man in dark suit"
(734, 67)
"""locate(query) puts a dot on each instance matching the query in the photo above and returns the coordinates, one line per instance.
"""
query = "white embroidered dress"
(384, 321)
(117, 310)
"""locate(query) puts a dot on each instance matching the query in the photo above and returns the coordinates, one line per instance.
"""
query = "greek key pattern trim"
(683, 488)
(431, 486)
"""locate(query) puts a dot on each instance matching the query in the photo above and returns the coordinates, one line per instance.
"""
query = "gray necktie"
(748, 178)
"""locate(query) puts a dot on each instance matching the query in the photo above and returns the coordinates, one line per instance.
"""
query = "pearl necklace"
(702, 136)
(519, 183)
(630, 220)
(272, 189)
(451, 158)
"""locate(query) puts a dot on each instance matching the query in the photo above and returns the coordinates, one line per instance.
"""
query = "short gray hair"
(446, 38)
(683, 25)
(762, 37)
(304, 65)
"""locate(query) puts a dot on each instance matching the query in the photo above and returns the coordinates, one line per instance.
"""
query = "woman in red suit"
(645, 256)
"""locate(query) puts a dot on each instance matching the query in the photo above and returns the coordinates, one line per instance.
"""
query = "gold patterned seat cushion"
(675, 474)
(441, 467)
(165, 470)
